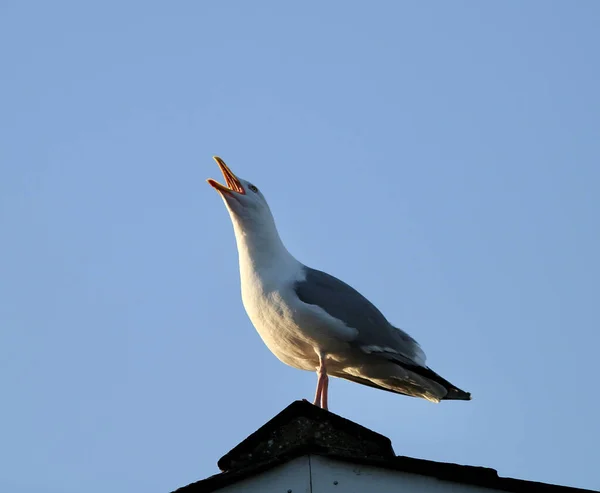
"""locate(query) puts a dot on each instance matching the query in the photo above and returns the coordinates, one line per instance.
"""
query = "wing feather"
(375, 334)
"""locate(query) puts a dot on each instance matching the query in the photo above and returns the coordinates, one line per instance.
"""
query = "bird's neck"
(262, 254)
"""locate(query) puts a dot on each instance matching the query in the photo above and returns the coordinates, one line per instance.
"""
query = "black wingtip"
(455, 394)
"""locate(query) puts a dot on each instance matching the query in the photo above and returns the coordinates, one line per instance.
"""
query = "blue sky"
(441, 157)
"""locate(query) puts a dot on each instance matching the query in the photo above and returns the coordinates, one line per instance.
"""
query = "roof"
(302, 429)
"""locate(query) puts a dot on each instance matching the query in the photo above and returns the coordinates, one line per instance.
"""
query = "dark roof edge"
(456, 473)
(220, 480)
(472, 475)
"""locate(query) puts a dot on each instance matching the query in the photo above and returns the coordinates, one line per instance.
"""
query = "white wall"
(294, 475)
(353, 478)
(315, 474)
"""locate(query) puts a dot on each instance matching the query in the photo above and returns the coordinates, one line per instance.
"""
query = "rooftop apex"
(309, 428)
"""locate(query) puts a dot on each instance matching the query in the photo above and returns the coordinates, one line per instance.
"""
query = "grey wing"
(375, 334)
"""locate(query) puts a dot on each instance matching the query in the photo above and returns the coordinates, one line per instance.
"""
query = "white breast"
(294, 331)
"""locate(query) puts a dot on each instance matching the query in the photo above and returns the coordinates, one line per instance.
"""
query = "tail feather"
(408, 388)
(454, 393)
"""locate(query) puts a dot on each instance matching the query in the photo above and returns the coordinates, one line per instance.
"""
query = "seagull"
(311, 320)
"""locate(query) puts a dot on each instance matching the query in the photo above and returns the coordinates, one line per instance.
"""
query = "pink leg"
(322, 384)
(319, 392)
(324, 393)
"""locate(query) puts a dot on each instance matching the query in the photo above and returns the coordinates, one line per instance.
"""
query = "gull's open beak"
(233, 184)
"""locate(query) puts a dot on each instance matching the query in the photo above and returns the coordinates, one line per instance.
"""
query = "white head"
(244, 201)
(255, 231)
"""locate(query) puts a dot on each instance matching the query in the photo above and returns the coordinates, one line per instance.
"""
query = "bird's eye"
(253, 188)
